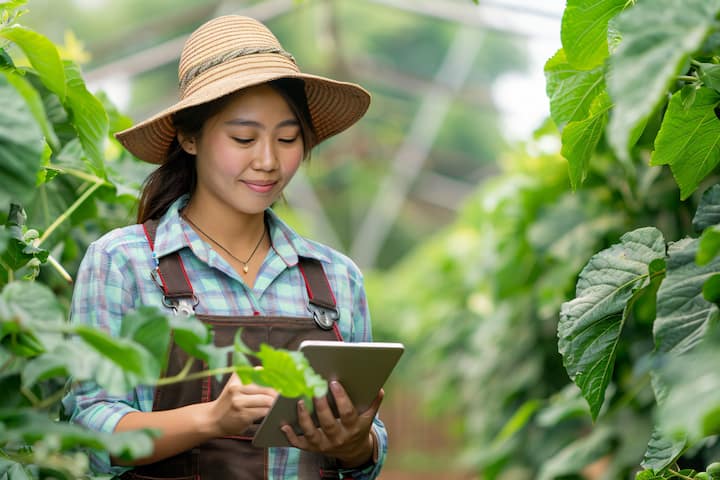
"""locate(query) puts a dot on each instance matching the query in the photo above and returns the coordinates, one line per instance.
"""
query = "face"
(247, 153)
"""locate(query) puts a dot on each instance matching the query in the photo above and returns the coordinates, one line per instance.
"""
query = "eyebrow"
(252, 123)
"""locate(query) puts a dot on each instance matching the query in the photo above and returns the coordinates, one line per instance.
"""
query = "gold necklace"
(245, 267)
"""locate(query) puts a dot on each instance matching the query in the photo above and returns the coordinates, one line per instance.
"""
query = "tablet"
(362, 369)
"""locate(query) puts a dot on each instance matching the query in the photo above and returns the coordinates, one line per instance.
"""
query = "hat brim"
(334, 106)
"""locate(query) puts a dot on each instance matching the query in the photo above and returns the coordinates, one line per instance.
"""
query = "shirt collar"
(286, 243)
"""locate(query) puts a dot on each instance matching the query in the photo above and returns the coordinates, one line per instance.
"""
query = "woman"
(207, 241)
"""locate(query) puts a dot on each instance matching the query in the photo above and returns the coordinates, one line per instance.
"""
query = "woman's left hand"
(347, 438)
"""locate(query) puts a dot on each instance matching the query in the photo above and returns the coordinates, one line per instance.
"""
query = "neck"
(235, 230)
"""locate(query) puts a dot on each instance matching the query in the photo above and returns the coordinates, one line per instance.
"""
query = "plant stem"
(49, 401)
(66, 214)
(30, 396)
(60, 269)
(678, 474)
(687, 78)
(183, 376)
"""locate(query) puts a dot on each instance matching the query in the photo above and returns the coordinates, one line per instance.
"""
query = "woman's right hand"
(238, 406)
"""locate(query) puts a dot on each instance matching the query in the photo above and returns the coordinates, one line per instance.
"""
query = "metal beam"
(416, 147)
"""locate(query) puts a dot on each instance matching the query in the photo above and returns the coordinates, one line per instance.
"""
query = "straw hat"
(233, 52)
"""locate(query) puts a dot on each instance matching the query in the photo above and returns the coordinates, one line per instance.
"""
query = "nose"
(266, 156)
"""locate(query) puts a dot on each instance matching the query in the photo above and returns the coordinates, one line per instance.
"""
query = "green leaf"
(30, 427)
(11, 4)
(683, 313)
(692, 405)
(36, 106)
(590, 325)
(710, 75)
(88, 117)
(708, 211)
(579, 139)
(658, 37)
(289, 373)
(689, 140)
(571, 91)
(21, 146)
(662, 451)
(577, 455)
(31, 304)
(149, 327)
(709, 245)
(584, 31)
(42, 54)
(711, 289)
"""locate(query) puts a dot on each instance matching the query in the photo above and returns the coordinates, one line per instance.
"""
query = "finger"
(310, 431)
(295, 440)
(326, 417)
(375, 406)
(346, 409)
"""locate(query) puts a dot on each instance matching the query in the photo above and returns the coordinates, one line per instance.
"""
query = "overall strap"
(322, 301)
(170, 275)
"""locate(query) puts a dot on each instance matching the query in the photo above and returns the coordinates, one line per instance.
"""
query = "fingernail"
(335, 386)
(301, 405)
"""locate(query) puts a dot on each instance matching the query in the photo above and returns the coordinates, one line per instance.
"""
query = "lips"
(260, 186)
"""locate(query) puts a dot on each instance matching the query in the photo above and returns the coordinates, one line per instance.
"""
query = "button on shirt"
(114, 277)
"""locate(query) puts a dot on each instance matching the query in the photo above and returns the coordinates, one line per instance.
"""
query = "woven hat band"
(209, 63)
(243, 70)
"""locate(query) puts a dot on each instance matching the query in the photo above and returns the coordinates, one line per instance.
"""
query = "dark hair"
(177, 176)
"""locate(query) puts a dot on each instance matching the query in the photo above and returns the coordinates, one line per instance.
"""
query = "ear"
(187, 143)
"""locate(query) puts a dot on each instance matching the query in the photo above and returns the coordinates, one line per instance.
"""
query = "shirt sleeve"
(101, 297)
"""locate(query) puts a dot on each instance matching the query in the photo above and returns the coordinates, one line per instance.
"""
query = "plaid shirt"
(114, 277)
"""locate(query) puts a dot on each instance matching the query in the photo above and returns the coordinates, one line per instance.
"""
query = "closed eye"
(289, 139)
(243, 141)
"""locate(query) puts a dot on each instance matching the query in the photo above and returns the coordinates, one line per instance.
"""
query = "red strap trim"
(307, 284)
(336, 329)
(150, 240)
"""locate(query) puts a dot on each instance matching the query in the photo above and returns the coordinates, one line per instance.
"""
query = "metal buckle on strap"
(324, 317)
(182, 306)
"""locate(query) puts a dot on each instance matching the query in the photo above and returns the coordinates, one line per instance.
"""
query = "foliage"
(489, 303)
(57, 159)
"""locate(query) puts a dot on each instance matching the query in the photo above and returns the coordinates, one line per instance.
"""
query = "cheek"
(292, 163)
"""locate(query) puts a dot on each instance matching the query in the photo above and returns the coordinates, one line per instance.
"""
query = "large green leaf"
(31, 304)
(708, 211)
(88, 117)
(36, 106)
(31, 426)
(42, 54)
(571, 91)
(683, 313)
(21, 146)
(657, 37)
(662, 450)
(689, 140)
(692, 405)
(590, 325)
(580, 138)
(584, 31)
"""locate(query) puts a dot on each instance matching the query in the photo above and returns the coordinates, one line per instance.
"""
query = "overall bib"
(234, 457)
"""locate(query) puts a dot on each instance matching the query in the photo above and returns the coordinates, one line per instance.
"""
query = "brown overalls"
(234, 457)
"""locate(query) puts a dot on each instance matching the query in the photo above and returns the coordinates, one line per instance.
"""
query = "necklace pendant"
(245, 268)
